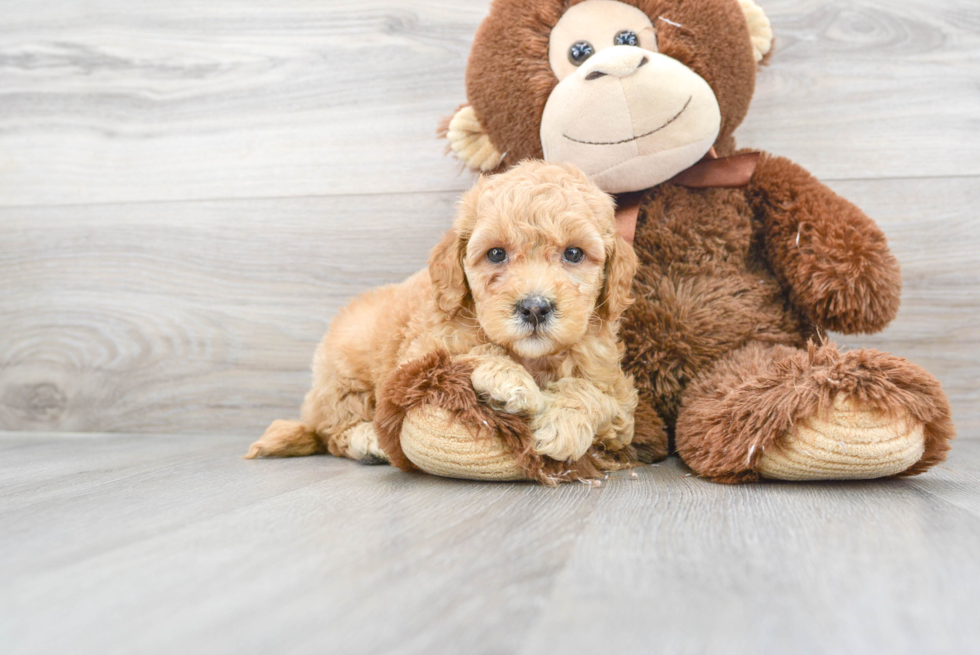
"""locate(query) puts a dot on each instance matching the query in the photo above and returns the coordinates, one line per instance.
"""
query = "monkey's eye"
(573, 255)
(579, 52)
(627, 37)
(496, 255)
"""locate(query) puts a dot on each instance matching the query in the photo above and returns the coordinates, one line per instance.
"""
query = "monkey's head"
(632, 92)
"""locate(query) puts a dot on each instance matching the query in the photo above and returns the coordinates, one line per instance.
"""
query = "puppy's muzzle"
(535, 310)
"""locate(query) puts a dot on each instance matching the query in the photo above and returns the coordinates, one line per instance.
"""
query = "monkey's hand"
(832, 258)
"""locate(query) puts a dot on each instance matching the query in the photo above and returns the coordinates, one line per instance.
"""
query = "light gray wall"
(190, 190)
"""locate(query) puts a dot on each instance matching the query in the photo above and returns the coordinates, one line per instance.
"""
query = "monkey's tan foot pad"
(848, 442)
(437, 444)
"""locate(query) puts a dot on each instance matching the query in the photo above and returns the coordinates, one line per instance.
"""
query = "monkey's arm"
(832, 258)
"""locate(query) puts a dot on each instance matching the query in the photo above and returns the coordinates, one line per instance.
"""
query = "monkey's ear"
(470, 142)
(760, 30)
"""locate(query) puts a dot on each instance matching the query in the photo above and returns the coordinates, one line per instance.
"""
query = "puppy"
(527, 287)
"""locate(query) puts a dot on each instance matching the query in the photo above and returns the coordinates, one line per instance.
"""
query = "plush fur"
(709, 36)
(562, 377)
(739, 274)
(735, 285)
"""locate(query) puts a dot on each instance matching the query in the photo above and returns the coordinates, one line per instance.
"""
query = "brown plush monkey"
(744, 259)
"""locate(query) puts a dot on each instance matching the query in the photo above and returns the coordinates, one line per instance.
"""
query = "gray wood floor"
(188, 193)
(113, 544)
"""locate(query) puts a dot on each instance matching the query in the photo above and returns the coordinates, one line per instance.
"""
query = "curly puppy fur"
(562, 375)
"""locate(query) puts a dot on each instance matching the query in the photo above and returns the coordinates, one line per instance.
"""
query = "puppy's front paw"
(563, 434)
(507, 386)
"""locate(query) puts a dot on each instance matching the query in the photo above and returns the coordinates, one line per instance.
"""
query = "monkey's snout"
(618, 61)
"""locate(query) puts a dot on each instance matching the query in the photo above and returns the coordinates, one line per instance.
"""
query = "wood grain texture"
(121, 544)
(114, 101)
(198, 317)
(840, 568)
(871, 89)
(189, 193)
(134, 101)
(202, 317)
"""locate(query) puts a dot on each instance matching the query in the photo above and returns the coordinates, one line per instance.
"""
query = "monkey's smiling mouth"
(639, 136)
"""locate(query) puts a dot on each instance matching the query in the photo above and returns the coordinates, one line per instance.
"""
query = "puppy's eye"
(627, 37)
(579, 52)
(496, 255)
(573, 255)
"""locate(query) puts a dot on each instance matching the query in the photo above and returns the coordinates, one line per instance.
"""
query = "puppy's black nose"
(535, 310)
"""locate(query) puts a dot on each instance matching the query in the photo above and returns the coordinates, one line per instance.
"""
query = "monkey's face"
(624, 113)
(632, 92)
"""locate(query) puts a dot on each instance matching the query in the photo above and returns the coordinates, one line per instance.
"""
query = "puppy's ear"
(447, 274)
(619, 271)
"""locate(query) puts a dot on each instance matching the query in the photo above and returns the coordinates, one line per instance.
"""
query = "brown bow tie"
(711, 172)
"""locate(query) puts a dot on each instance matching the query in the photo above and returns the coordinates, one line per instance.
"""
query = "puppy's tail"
(286, 439)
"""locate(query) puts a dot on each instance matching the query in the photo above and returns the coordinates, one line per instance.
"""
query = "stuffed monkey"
(745, 258)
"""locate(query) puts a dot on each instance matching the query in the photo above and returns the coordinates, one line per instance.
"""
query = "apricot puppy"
(527, 287)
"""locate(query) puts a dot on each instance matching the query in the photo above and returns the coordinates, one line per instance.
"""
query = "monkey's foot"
(438, 444)
(849, 442)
